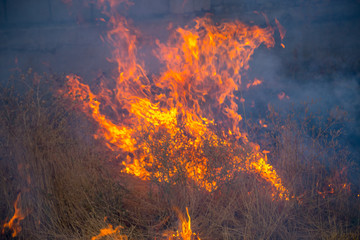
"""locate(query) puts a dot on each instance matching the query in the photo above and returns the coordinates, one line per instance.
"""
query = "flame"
(254, 83)
(282, 31)
(263, 124)
(110, 231)
(180, 108)
(184, 228)
(336, 183)
(267, 172)
(14, 223)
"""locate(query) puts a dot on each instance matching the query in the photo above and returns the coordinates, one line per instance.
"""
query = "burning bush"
(69, 189)
(170, 156)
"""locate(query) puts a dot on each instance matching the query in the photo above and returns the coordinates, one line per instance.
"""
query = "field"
(70, 185)
(199, 128)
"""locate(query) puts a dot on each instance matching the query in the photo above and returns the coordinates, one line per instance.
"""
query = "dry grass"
(71, 190)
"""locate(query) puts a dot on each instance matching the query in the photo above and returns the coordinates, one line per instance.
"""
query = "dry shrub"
(71, 186)
(48, 156)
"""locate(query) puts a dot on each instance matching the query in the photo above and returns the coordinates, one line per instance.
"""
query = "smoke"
(320, 60)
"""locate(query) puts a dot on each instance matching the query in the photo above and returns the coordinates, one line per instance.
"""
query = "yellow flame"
(184, 232)
(202, 69)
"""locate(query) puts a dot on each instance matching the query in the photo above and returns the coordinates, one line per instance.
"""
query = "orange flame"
(14, 223)
(336, 183)
(254, 83)
(263, 124)
(196, 90)
(282, 31)
(110, 231)
(184, 227)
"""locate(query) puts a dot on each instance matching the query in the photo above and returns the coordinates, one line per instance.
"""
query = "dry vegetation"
(70, 186)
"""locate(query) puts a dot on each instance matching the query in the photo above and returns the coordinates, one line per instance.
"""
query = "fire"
(332, 188)
(282, 31)
(336, 183)
(110, 231)
(267, 172)
(184, 228)
(14, 223)
(165, 122)
(263, 124)
(184, 232)
(254, 83)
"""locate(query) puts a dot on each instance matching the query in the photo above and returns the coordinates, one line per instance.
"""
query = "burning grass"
(169, 156)
(70, 190)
